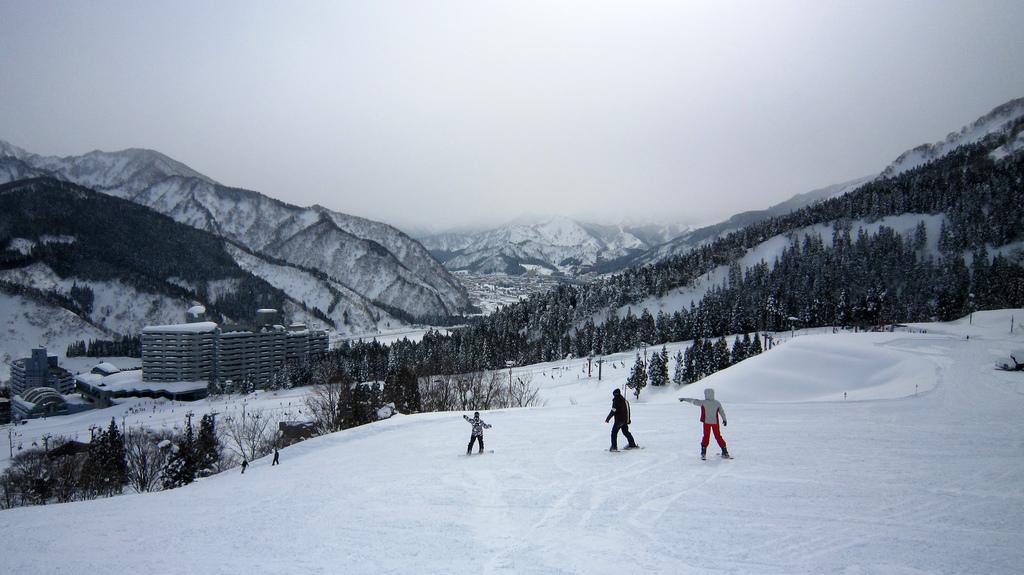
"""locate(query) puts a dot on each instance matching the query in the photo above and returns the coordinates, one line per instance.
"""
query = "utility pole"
(599, 362)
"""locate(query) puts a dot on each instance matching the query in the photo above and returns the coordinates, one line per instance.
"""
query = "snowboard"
(720, 457)
(486, 451)
(622, 450)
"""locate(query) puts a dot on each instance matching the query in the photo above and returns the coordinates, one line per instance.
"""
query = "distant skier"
(277, 458)
(244, 465)
(478, 431)
(620, 411)
(710, 409)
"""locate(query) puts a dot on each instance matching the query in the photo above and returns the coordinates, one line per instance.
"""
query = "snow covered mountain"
(693, 238)
(855, 453)
(374, 260)
(70, 270)
(550, 245)
(999, 120)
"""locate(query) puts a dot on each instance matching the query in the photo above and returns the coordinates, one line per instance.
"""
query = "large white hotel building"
(205, 351)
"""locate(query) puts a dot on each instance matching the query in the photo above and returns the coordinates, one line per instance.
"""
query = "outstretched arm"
(688, 400)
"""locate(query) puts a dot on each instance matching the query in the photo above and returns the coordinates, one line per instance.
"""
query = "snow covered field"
(919, 470)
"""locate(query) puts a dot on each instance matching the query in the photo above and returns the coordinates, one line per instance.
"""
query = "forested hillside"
(87, 236)
(841, 278)
(386, 272)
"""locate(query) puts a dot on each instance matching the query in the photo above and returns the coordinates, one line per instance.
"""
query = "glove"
(607, 419)
(725, 423)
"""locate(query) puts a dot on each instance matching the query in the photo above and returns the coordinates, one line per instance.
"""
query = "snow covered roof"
(106, 368)
(130, 381)
(197, 310)
(198, 327)
(36, 395)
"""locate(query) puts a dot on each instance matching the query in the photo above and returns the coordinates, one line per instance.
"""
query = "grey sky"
(450, 113)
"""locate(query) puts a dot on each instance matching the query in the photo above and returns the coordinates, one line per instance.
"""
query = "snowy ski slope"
(919, 470)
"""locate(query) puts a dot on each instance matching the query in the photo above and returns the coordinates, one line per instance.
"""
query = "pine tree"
(207, 446)
(93, 473)
(115, 465)
(739, 350)
(654, 370)
(721, 352)
(657, 371)
(181, 465)
(637, 377)
(410, 386)
(679, 375)
(755, 347)
(691, 368)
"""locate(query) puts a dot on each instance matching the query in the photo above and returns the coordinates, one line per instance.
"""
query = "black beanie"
(616, 392)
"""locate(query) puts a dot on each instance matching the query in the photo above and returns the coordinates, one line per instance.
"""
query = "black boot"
(725, 453)
(703, 451)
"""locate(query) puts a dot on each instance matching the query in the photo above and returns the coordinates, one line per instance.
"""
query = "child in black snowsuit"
(478, 431)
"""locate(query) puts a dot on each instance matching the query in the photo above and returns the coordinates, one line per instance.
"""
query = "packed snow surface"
(918, 470)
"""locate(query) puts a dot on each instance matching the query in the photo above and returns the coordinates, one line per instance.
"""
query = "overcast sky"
(439, 114)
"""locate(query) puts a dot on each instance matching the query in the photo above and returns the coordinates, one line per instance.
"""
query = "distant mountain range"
(373, 260)
(574, 248)
(102, 244)
(557, 245)
(998, 120)
(939, 233)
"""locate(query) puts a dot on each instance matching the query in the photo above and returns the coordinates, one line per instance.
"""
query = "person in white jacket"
(710, 411)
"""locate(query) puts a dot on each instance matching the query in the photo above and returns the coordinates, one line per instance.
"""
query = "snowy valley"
(551, 245)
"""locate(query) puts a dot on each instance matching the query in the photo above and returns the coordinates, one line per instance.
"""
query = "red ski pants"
(708, 428)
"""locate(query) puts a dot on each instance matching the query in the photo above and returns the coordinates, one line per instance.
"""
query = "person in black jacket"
(620, 411)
